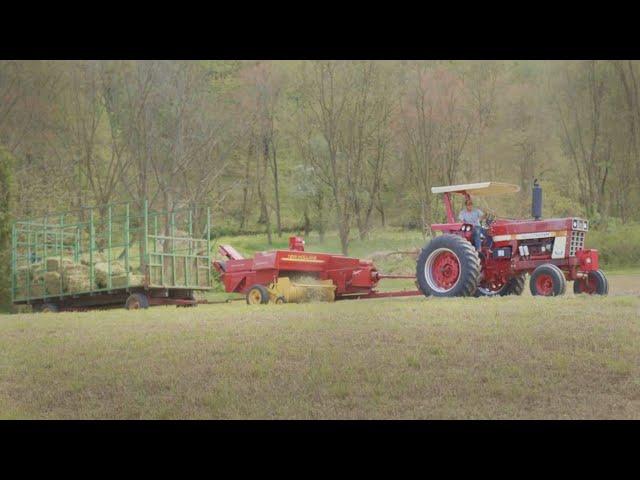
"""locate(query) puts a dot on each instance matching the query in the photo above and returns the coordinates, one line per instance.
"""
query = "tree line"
(318, 145)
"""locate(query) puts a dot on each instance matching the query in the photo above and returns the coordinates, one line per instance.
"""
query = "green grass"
(515, 357)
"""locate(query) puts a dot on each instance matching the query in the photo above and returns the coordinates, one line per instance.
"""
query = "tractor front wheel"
(548, 281)
(257, 295)
(448, 267)
(596, 283)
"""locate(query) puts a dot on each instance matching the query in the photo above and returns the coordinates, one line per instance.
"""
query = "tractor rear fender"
(446, 227)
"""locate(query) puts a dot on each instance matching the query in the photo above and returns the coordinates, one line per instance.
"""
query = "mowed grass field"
(401, 358)
(515, 357)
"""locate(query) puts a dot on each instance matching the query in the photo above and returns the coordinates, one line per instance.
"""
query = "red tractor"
(551, 251)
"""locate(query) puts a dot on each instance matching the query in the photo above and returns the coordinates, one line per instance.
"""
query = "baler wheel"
(258, 295)
(547, 280)
(448, 267)
(596, 283)
(280, 300)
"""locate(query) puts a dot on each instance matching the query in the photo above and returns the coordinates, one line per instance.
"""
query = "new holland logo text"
(302, 258)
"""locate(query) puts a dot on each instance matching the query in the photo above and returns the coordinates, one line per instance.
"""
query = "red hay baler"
(294, 275)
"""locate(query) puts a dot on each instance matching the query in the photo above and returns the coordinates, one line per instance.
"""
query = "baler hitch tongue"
(230, 252)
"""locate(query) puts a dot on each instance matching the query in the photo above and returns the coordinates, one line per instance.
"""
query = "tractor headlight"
(575, 223)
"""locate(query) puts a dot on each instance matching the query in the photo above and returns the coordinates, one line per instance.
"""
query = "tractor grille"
(577, 242)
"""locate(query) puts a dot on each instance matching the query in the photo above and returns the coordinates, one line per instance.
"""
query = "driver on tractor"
(473, 216)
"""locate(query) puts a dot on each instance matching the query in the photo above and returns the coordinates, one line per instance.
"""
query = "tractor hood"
(482, 188)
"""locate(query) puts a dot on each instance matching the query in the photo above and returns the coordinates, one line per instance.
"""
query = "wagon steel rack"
(110, 256)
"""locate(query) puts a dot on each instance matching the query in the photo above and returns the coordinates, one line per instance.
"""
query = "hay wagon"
(111, 256)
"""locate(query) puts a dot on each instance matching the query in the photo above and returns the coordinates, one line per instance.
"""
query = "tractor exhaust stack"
(536, 201)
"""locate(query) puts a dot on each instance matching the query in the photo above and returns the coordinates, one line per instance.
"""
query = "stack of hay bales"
(58, 276)
(42, 282)
(29, 281)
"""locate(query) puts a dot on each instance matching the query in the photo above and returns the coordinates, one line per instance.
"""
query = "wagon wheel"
(48, 308)
(137, 301)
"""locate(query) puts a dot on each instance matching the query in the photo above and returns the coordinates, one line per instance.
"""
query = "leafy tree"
(6, 199)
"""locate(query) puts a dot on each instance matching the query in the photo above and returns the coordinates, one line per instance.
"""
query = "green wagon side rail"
(110, 247)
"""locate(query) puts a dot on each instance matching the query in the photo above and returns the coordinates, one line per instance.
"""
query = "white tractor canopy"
(482, 188)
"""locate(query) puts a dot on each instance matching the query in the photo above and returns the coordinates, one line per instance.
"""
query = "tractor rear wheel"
(257, 295)
(448, 267)
(596, 283)
(547, 280)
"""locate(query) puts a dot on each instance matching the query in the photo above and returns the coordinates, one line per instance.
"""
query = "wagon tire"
(136, 301)
(48, 308)
(547, 280)
(448, 266)
(596, 283)
(257, 295)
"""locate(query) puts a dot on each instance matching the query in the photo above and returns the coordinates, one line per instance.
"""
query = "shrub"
(618, 244)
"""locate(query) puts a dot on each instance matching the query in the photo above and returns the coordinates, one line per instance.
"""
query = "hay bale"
(37, 274)
(75, 278)
(52, 283)
(55, 264)
(98, 257)
(120, 281)
(75, 269)
(37, 291)
(22, 275)
(101, 272)
(76, 283)
(36, 267)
